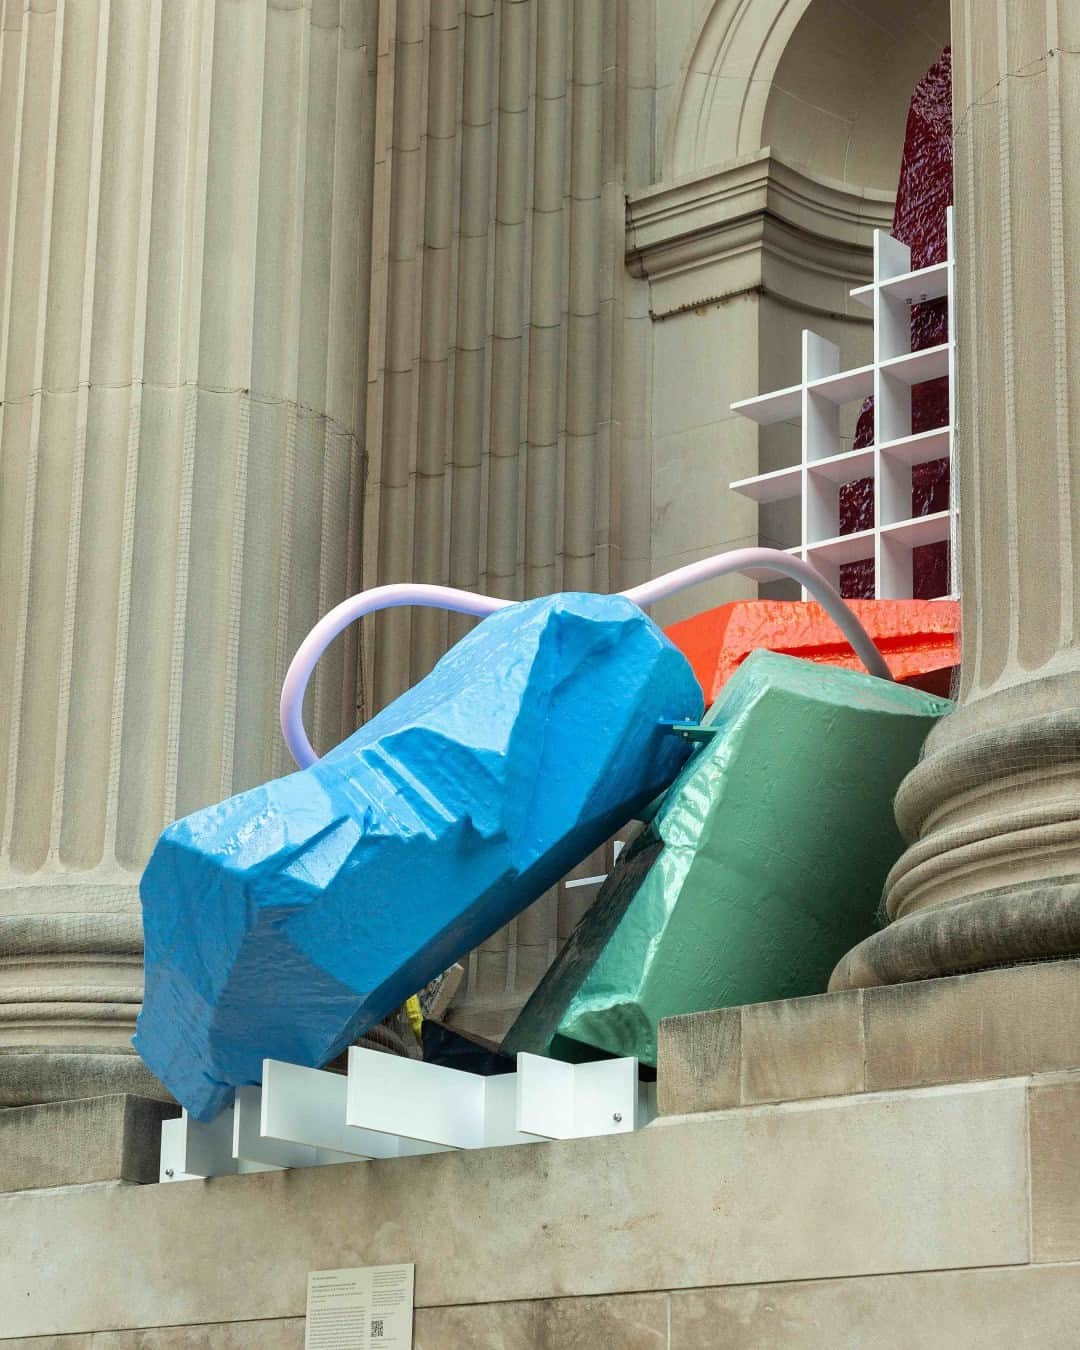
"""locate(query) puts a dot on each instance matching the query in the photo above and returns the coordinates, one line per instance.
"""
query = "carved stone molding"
(756, 224)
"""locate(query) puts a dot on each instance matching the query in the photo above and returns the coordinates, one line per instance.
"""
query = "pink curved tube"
(737, 560)
(467, 602)
(330, 625)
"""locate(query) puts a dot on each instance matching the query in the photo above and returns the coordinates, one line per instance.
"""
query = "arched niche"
(824, 83)
(782, 158)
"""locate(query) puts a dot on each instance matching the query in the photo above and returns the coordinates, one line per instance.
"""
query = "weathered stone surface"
(1029, 921)
(802, 1047)
(1030, 1307)
(1026, 1306)
(626, 1321)
(1001, 1023)
(77, 1342)
(1054, 1129)
(629, 1322)
(764, 1194)
(698, 1059)
(787, 1050)
(994, 1024)
(32, 1076)
(278, 1334)
(110, 1138)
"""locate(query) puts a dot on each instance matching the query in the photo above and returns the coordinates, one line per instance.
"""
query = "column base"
(71, 984)
(991, 813)
(31, 1075)
(1010, 925)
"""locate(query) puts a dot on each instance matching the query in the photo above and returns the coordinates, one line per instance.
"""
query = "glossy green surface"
(763, 865)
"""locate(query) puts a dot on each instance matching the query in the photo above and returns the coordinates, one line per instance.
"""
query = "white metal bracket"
(389, 1107)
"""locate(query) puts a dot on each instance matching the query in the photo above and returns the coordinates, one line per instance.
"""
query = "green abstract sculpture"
(763, 864)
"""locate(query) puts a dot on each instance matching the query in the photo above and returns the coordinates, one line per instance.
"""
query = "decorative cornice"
(755, 224)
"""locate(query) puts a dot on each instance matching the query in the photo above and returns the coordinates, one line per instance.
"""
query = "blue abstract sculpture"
(286, 921)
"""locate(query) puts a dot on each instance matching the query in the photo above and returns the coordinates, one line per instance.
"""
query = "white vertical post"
(820, 438)
(174, 1151)
(573, 1101)
(954, 486)
(545, 1096)
(248, 1143)
(502, 1124)
(605, 1097)
(208, 1146)
(892, 415)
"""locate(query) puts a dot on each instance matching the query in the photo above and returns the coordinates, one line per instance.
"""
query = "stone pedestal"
(73, 1143)
(1005, 1023)
(992, 813)
(183, 190)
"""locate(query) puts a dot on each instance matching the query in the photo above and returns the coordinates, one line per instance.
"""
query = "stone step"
(116, 1137)
(923, 1185)
(1001, 1023)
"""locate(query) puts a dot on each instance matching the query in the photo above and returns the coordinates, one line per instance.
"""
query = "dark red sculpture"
(924, 192)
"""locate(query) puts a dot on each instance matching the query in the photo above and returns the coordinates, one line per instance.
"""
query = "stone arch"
(824, 83)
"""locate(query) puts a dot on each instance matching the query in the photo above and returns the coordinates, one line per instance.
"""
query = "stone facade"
(931, 1217)
(969, 1028)
(889, 1167)
(301, 296)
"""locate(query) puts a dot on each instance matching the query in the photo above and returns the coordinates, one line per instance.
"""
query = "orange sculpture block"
(920, 639)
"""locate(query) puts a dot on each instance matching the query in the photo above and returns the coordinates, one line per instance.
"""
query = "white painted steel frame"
(823, 467)
(389, 1107)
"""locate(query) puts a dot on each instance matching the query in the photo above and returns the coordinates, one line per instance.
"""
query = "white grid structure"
(824, 467)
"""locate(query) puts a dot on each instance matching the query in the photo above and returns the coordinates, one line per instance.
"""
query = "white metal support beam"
(390, 1107)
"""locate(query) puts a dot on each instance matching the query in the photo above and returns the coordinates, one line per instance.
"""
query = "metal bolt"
(617, 1117)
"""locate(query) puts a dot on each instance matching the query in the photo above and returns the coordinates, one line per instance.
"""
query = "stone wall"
(929, 1217)
(301, 296)
(891, 1167)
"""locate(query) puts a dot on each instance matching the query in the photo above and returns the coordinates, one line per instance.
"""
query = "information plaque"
(368, 1308)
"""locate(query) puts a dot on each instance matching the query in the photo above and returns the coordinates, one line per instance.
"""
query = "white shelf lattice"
(824, 467)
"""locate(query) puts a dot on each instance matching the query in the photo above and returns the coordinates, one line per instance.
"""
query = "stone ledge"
(739, 226)
(967, 1028)
(766, 1194)
(111, 1138)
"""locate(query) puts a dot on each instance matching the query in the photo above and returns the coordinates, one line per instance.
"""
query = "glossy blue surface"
(286, 921)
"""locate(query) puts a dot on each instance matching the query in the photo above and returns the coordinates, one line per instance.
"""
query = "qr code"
(377, 1326)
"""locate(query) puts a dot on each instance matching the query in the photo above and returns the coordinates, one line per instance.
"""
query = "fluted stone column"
(185, 191)
(992, 814)
(507, 351)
